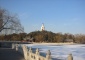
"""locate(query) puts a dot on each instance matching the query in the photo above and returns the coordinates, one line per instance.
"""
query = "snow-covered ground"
(60, 52)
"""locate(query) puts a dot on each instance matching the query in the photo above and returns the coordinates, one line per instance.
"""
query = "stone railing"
(30, 55)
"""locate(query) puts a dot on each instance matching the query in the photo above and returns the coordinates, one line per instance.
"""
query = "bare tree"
(9, 22)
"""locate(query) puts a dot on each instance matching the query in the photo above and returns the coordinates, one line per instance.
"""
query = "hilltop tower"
(42, 27)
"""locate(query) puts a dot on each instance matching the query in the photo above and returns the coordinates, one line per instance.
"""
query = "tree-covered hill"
(42, 36)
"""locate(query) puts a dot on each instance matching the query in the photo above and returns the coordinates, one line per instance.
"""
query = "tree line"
(13, 37)
(45, 36)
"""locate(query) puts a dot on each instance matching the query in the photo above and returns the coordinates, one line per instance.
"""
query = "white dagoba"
(42, 27)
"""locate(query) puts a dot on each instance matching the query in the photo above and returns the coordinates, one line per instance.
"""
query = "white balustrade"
(29, 55)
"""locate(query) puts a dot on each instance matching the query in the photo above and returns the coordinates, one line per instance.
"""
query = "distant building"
(28, 39)
(42, 27)
(69, 40)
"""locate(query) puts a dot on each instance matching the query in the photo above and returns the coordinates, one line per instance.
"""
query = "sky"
(66, 16)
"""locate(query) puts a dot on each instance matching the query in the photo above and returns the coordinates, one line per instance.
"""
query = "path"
(10, 54)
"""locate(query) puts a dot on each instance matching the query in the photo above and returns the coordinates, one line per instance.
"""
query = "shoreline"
(55, 43)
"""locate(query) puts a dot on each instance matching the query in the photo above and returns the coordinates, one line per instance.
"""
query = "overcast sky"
(66, 16)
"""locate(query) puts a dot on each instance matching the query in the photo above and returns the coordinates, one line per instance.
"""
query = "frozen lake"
(60, 52)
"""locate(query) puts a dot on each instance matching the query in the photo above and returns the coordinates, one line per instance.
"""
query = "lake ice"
(60, 52)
